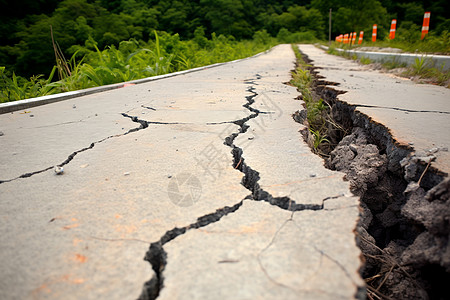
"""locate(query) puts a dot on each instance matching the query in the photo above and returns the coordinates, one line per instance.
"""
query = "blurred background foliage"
(120, 37)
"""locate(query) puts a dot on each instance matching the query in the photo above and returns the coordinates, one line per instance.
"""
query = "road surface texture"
(203, 174)
(417, 115)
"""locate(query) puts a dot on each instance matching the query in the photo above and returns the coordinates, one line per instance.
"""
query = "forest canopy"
(26, 44)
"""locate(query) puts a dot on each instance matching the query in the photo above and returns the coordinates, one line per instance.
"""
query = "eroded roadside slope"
(404, 229)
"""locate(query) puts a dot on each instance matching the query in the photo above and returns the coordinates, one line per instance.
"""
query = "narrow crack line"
(59, 124)
(323, 253)
(73, 154)
(145, 124)
(258, 257)
(148, 107)
(118, 240)
(220, 123)
(271, 243)
(26, 175)
(165, 123)
(339, 208)
(157, 256)
(401, 109)
(64, 123)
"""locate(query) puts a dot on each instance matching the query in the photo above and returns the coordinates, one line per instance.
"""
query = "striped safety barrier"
(426, 24)
(361, 34)
(392, 31)
(374, 33)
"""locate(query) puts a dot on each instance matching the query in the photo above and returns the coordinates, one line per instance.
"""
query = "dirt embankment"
(404, 229)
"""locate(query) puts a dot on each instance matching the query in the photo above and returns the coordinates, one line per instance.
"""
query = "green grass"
(316, 108)
(393, 64)
(90, 67)
(431, 44)
(422, 68)
(15, 88)
(365, 60)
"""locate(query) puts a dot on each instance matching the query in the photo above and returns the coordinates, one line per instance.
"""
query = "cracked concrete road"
(159, 166)
(417, 115)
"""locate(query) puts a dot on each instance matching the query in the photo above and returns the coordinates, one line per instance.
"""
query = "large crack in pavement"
(157, 256)
(403, 232)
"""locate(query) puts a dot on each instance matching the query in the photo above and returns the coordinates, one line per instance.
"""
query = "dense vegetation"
(101, 41)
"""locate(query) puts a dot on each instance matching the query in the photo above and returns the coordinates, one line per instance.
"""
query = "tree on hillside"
(353, 15)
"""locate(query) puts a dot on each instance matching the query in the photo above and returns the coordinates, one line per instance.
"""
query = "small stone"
(354, 148)
(427, 159)
(1, 133)
(410, 143)
(31, 116)
(433, 150)
(126, 173)
(412, 186)
(169, 176)
(312, 175)
(59, 170)
(74, 106)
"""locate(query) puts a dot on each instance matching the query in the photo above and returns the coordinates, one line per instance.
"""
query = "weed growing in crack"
(318, 138)
(318, 116)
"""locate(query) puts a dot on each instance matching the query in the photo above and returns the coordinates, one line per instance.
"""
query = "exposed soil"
(404, 228)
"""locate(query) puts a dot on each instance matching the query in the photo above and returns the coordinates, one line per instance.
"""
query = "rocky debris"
(404, 230)
(360, 160)
(432, 210)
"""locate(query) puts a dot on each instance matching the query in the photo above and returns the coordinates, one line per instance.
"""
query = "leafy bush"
(285, 36)
(89, 66)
